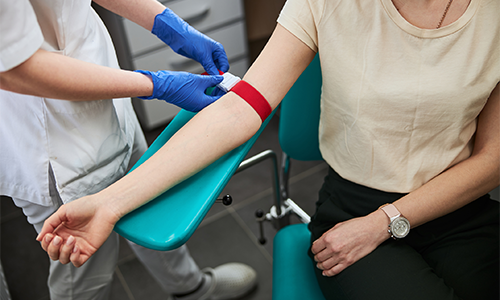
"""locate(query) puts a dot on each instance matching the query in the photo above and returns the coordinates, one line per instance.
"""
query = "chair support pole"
(303, 216)
(284, 175)
(267, 154)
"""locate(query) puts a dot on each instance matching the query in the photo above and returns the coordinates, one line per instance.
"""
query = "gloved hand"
(183, 89)
(189, 42)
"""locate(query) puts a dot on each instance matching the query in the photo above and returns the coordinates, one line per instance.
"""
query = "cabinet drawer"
(233, 39)
(201, 14)
(157, 113)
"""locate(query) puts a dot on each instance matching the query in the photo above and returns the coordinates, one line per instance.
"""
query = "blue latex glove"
(183, 89)
(189, 42)
(217, 92)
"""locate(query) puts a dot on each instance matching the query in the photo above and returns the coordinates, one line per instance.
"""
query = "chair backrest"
(299, 116)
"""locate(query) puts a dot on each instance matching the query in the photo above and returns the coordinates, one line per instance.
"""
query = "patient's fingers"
(52, 223)
(326, 264)
(77, 258)
(53, 248)
(46, 241)
(66, 250)
(323, 255)
(318, 246)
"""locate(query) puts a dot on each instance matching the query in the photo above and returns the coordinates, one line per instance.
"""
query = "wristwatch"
(399, 226)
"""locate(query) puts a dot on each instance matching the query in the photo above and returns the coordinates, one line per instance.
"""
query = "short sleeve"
(301, 18)
(20, 34)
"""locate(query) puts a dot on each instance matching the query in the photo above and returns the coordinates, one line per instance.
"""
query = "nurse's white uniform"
(55, 151)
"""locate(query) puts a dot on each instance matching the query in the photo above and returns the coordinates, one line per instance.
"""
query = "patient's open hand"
(76, 230)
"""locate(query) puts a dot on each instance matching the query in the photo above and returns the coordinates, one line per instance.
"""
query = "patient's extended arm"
(79, 228)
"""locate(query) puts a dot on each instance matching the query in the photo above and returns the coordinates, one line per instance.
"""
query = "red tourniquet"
(206, 73)
(254, 98)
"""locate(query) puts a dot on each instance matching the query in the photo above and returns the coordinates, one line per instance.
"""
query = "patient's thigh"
(393, 271)
(470, 266)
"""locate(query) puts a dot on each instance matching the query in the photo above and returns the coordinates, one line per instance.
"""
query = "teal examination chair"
(167, 222)
(293, 271)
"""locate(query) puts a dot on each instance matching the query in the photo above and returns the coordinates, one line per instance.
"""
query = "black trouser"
(453, 257)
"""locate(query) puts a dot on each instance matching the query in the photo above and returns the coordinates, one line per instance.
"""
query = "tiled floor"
(227, 233)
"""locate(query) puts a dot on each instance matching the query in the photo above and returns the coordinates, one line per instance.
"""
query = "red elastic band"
(254, 98)
(206, 73)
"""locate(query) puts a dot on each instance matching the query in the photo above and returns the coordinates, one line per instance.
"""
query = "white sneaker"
(227, 281)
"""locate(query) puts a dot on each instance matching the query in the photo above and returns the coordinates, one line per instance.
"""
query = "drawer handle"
(197, 15)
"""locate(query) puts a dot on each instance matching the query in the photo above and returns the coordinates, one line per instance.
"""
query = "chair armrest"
(169, 220)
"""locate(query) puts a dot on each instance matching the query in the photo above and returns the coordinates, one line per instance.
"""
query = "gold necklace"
(444, 14)
(442, 17)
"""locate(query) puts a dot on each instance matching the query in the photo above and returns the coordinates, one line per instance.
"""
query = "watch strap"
(391, 211)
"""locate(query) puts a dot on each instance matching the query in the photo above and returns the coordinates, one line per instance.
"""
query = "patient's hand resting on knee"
(348, 242)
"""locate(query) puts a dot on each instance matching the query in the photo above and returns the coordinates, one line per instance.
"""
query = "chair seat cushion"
(293, 271)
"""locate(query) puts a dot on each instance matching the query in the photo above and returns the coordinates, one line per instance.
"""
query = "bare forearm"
(51, 75)
(450, 190)
(214, 131)
(219, 128)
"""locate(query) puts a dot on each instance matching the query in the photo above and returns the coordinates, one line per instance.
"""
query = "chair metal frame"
(301, 102)
(168, 221)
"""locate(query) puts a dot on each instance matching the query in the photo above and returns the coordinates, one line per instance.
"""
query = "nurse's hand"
(189, 42)
(76, 230)
(349, 241)
(183, 89)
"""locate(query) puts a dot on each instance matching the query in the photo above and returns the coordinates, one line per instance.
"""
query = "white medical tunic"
(87, 144)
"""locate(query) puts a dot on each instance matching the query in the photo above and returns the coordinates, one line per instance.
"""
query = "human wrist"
(146, 87)
(106, 207)
(399, 226)
(380, 221)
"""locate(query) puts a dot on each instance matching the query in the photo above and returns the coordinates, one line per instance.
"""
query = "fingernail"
(75, 249)
(323, 273)
(48, 238)
(70, 240)
(57, 241)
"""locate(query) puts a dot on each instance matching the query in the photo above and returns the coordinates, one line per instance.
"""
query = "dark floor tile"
(24, 262)
(303, 191)
(250, 182)
(225, 241)
(247, 215)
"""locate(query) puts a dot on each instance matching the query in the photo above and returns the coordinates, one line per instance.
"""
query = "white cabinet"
(222, 20)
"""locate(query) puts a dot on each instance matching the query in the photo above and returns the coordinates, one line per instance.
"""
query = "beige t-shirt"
(399, 103)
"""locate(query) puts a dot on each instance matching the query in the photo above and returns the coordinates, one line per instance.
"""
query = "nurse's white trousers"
(175, 271)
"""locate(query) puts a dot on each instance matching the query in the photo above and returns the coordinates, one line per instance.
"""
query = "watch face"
(400, 227)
